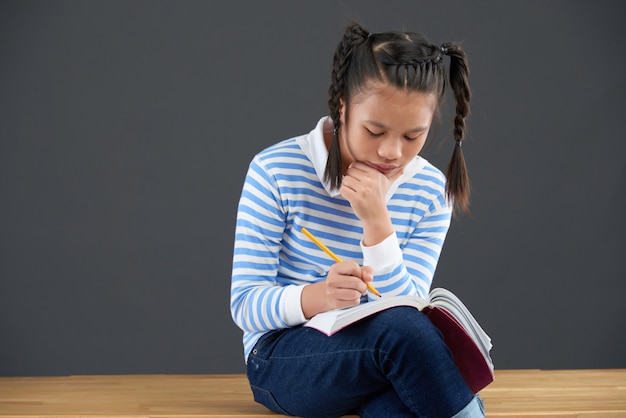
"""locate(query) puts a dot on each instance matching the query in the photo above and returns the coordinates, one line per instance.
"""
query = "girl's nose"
(390, 149)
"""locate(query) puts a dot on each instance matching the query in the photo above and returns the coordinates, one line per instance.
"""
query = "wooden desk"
(515, 393)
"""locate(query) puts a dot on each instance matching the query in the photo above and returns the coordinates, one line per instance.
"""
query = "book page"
(332, 321)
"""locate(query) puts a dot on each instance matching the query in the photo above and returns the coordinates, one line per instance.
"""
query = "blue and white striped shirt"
(284, 192)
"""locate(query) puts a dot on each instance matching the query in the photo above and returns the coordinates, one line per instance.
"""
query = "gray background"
(126, 128)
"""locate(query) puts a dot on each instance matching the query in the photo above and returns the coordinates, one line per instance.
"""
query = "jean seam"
(405, 393)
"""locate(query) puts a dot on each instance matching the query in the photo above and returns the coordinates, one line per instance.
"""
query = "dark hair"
(406, 60)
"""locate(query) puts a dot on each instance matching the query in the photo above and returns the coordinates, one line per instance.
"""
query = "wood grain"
(515, 393)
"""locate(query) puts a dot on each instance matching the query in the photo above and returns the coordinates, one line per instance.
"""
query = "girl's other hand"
(345, 284)
(343, 287)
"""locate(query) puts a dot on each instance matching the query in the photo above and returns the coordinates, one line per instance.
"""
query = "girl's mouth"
(385, 169)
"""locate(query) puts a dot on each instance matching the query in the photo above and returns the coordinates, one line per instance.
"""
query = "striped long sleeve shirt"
(273, 260)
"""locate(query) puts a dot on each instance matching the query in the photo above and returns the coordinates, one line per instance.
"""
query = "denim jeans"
(392, 364)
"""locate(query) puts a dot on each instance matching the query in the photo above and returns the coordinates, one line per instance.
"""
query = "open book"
(467, 341)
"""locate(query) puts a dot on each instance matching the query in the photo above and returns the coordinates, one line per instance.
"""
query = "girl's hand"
(365, 188)
(345, 284)
(343, 287)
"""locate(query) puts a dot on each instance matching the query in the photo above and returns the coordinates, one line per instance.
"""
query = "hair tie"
(444, 49)
(458, 144)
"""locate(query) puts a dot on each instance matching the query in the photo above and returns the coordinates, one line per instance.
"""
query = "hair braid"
(354, 35)
(458, 185)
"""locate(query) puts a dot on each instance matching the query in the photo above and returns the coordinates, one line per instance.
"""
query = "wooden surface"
(515, 393)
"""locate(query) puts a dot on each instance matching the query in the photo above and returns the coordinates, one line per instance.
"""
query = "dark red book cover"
(467, 355)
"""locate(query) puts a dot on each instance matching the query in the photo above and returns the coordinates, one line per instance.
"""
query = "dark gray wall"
(126, 129)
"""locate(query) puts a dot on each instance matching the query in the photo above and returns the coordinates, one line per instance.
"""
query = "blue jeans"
(392, 364)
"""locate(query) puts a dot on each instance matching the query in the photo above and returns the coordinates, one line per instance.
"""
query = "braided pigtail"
(458, 185)
(354, 36)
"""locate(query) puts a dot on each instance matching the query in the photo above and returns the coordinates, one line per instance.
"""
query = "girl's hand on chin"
(365, 188)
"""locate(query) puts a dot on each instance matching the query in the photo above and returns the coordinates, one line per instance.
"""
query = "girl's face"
(386, 128)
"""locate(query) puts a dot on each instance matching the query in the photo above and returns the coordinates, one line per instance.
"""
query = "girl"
(357, 182)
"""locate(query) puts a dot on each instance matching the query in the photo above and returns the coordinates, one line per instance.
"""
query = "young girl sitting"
(358, 183)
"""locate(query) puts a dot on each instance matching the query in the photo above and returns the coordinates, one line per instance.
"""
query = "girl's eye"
(374, 134)
(408, 138)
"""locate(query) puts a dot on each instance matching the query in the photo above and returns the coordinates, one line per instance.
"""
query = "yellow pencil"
(334, 256)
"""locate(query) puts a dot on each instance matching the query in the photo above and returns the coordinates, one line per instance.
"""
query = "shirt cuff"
(291, 307)
(384, 256)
